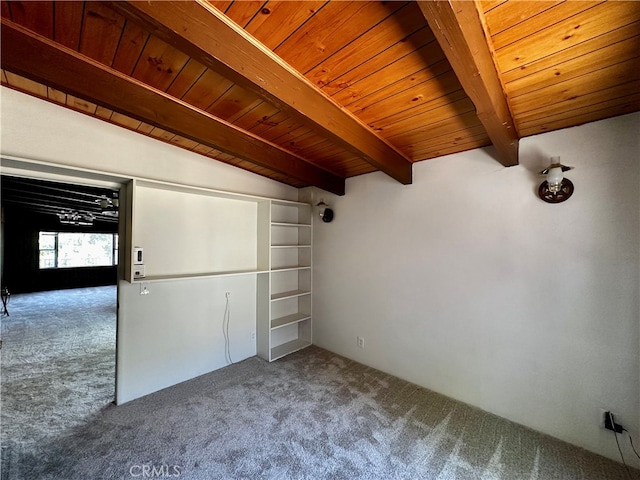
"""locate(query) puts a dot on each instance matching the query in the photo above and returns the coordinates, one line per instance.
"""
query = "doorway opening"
(60, 251)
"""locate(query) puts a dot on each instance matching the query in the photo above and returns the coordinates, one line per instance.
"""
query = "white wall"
(190, 233)
(175, 332)
(38, 130)
(468, 284)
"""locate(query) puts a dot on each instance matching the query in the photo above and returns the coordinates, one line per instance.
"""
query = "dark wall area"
(20, 272)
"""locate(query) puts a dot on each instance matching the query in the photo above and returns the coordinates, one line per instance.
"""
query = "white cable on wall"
(225, 328)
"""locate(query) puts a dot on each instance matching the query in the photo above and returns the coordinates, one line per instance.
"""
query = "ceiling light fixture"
(109, 206)
(72, 217)
(555, 188)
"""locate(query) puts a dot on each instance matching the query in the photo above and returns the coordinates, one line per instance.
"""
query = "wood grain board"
(566, 63)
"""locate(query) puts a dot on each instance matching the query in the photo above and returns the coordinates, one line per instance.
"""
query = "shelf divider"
(289, 320)
(287, 269)
(287, 348)
(290, 294)
(287, 224)
(190, 276)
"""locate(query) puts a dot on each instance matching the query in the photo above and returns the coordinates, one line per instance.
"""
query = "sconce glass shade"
(554, 178)
(555, 188)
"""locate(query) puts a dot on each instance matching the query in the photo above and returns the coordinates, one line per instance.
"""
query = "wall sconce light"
(555, 188)
(326, 214)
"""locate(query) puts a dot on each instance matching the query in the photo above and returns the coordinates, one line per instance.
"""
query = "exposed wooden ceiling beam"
(458, 29)
(207, 35)
(38, 58)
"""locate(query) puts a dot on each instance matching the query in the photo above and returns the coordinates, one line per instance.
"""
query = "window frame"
(115, 248)
(54, 250)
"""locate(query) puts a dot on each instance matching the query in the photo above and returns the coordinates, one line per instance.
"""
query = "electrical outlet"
(608, 421)
(253, 335)
(227, 295)
(360, 341)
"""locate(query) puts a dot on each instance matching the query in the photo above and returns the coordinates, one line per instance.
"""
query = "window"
(48, 247)
(69, 250)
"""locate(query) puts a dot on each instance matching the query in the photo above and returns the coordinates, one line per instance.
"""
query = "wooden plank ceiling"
(313, 92)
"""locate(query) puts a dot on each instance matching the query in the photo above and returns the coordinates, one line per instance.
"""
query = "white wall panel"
(465, 282)
(176, 331)
(190, 233)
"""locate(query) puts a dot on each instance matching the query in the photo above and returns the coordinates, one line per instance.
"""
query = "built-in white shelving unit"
(285, 326)
(225, 234)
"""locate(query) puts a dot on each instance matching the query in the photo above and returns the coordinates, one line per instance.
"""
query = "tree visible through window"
(67, 250)
(48, 247)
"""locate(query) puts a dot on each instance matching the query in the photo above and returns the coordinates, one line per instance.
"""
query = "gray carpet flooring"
(57, 366)
(312, 415)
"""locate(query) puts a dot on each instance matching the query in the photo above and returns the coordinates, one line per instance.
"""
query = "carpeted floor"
(58, 365)
(312, 415)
